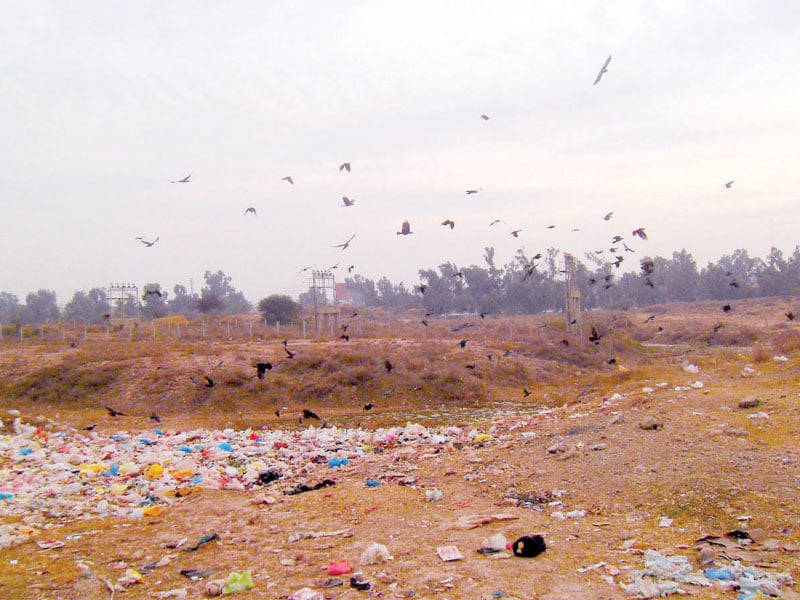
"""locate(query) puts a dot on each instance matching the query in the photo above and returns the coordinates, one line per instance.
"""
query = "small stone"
(749, 402)
(650, 423)
(558, 447)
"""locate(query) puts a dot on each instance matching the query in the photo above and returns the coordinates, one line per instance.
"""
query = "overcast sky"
(103, 103)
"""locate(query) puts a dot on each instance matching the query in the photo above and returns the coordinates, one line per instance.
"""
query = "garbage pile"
(73, 475)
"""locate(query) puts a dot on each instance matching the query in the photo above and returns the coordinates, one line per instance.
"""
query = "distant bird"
(151, 293)
(369, 406)
(639, 233)
(262, 368)
(525, 392)
(345, 166)
(611, 361)
(463, 343)
(309, 414)
(277, 412)
(618, 261)
(459, 274)
(209, 382)
(473, 191)
(496, 221)
(155, 417)
(115, 413)
(647, 266)
(616, 239)
(449, 222)
(424, 322)
(789, 315)
(388, 364)
(347, 202)
(250, 209)
(650, 318)
(649, 283)
(289, 353)
(405, 229)
(726, 308)
(146, 243)
(608, 216)
(516, 232)
(420, 288)
(734, 284)
(551, 227)
(350, 268)
(595, 337)
(485, 117)
(288, 178)
(603, 69)
(729, 184)
(184, 180)
(627, 248)
(717, 327)
(346, 244)
(471, 366)
(90, 427)
(482, 315)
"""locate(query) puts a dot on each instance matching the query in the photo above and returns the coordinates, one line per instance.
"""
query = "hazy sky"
(102, 103)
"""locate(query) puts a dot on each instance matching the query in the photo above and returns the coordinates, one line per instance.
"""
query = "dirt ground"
(645, 453)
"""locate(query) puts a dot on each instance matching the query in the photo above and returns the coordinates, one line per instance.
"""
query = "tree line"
(527, 284)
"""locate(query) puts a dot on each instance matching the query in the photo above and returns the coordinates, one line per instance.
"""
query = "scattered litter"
(665, 522)
(309, 535)
(339, 567)
(203, 540)
(449, 553)
(176, 593)
(698, 385)
(433, 495)
(529, 546)
(493, 544)
(358, 582)
(375, 553)
(306, 594)
(196, 574)
(338, 462)
(593, 567)
(690, 368)
(301, 488)
(238, 582)
(473, 521)
(372, 483)
(759, 415)
(780, 358)
(50, 544)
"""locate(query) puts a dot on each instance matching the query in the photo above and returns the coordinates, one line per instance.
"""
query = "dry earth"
(708, 468)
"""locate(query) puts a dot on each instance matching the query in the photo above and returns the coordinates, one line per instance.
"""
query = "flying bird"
(647, 266)
(151, 292)
(551, 227)
(309, 414)
(420, 288)
(485, 117)
(345, 166)
(346, 244)
(369, 406)
(463, 343)
(388, 364)
(184, 180)
(726, 308)
(288, 178)
(449, 222)
(350, 268)
(209, 382)
(603, 69)
(155, 417)
(516, 232)
(595, 337)
(115, 413)
(405, 229)
(473, 191)
(289, 353)
(146, 243)
(729, 184)
(347, 202)
(789, 315)
(639, 233)
(525, 392)
(608, 216)
(627, 248)
(616, 239)
(250, 209)
(496, 221)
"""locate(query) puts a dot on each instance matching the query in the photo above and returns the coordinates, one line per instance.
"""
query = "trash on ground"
(473, 521)
(449, 553)
(238, 582)
(203, 540)
(339, 567)
(529, 546)
(375, 553)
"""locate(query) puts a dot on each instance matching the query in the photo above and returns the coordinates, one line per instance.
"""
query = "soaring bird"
(148, 292)
(420, 288)
(516, 232)
(346, 244)
(146, 243)
(485, 117)
(595, 337)
(603, 69)
(627, 248)
(350, 268)
(729, 184)
(647, 266)
(551, 227)
(309, 414)
(184, 180)
(405, 229)
(369, 406)
(155, 417)
(209, 382)
(473, 191)
(250, 209)
(639, 233)
(345, 166)
(463, 343)
(496, 221)
(114, 412)
(288, 178)
(616, 239)
(525, 392)
(608, 216)
(449, 222)
(789, 315)
(347, 201)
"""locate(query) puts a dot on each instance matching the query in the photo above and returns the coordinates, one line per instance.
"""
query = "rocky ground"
(669, 443)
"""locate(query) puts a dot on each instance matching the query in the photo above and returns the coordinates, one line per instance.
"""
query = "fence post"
(304, 330)
(21, 327)
(203, 334)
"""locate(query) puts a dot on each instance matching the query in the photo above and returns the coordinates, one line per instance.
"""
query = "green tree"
(154, 302)
(183, 303)
(88, 307)
(10, 308)
(42, 307)
(218, 295)
(278, 307)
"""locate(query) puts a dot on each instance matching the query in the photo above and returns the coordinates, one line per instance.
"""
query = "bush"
(279, 308)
